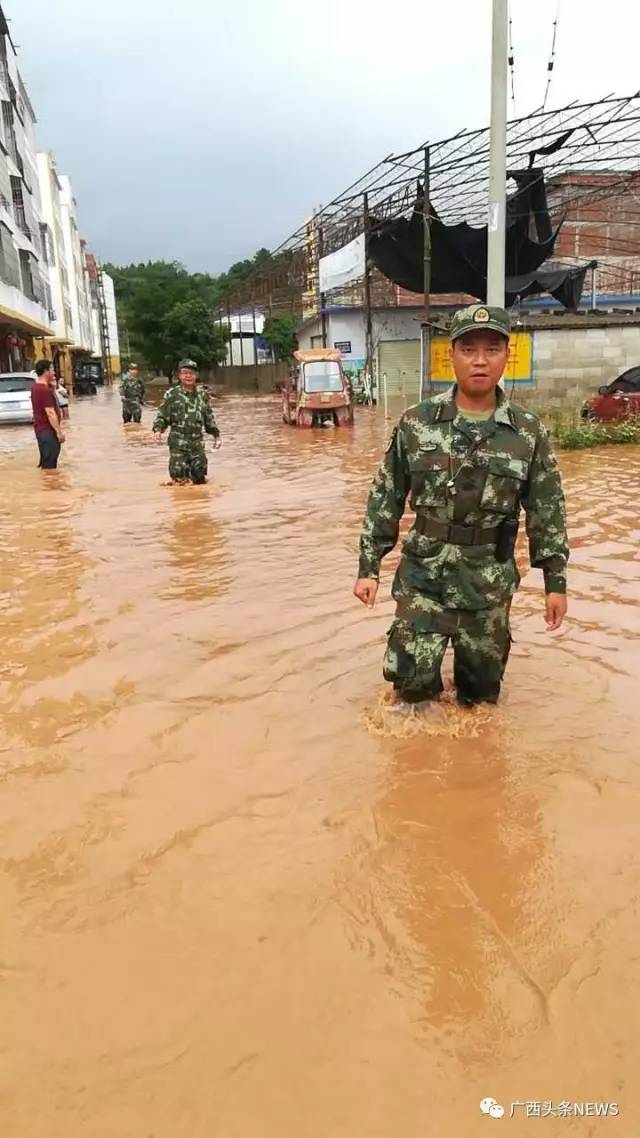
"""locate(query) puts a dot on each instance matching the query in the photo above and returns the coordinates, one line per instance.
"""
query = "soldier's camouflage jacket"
(498, 467)
(132, 390)
(188, 414)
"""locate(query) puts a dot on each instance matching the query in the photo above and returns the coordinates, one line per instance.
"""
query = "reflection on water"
(231, 906)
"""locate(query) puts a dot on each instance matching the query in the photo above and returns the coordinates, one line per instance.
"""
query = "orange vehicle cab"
(317, 392)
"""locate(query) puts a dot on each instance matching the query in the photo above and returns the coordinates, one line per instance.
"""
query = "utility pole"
(367, 292)
(425, 379)
(321, 296)
(498, 157)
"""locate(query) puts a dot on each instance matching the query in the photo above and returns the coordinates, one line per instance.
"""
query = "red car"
(618, 400)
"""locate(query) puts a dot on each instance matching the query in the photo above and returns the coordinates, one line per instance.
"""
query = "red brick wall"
(601, 223)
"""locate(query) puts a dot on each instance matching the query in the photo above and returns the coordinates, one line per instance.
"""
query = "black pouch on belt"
(506, 543)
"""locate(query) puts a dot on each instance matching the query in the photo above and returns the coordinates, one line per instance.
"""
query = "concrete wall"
(387, 324)
(265, 378)
(573, 362)
(568, 362)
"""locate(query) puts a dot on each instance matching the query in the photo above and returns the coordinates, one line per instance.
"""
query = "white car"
(15, 397)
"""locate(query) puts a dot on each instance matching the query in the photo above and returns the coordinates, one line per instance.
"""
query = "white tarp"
(343, 266)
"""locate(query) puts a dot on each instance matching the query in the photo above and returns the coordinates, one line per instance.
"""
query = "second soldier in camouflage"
(132, 393)
(187, 412)
(468, 460)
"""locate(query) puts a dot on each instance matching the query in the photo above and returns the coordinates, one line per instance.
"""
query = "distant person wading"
(47, 422)
(188, 414)
(132, 393)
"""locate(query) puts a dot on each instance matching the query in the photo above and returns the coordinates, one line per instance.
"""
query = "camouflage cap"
(188, 363)
(476, 318)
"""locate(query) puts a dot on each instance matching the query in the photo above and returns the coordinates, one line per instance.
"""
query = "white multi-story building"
(77, 269)
(26, 309)
(63, 338)
(103, 315)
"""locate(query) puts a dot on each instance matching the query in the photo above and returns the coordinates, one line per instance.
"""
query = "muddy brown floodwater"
(234, 905)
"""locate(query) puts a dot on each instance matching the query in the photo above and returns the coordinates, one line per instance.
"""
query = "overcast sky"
(201, 131)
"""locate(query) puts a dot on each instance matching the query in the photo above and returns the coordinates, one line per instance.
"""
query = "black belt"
(455, 534)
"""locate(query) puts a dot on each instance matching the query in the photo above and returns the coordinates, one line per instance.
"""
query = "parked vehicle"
(617, 400)
(86, 374)
(317, 392)
(15, 397)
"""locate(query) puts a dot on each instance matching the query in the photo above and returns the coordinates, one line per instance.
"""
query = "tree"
(147, 297)
(279, 332)
(145, 294)
(188, 330)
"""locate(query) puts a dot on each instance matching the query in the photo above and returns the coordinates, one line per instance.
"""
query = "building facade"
(63, 338)
(103, 316)
(245, 345)
(80, 300)
(26, 306)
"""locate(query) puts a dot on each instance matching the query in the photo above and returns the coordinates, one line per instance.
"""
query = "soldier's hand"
(217, 442)
(365, 590)
(555, 610)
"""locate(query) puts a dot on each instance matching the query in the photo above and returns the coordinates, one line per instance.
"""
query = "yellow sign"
(519, 367)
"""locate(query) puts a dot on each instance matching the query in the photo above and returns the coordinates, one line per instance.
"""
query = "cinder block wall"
(569, 363)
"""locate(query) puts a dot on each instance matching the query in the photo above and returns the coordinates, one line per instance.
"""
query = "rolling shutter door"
(399, 360)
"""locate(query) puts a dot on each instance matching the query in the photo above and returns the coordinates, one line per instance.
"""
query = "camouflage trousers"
(187, 461)
(131, 410)
(416, 645)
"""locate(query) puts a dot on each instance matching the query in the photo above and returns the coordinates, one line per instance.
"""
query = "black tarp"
(459, 252)
(565, 285)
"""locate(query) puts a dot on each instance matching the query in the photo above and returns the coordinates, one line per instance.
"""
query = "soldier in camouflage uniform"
(469, 460)
(132, 393)
(188, 412)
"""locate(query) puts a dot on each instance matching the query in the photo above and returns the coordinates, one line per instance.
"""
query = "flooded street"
(234, 904)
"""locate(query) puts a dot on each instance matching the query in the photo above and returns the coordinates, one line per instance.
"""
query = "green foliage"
(188, 330)
(570, 432)
(146, 295)
(279, 332)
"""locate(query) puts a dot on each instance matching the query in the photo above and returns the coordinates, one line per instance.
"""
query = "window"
(27, 278)
(4, 67)
(46, 241)
(316, 342)
(9, 135)
(322, 375)
(9, 263)
(17, 383)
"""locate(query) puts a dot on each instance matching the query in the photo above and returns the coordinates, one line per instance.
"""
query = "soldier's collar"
(447, 408)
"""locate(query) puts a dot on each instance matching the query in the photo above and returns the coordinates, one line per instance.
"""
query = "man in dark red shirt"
(46, 416)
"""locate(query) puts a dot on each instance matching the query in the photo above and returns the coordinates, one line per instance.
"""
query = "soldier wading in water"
(469, 460)
(188, 413)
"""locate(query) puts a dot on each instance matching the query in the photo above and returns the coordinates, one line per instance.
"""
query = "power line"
(552, 57)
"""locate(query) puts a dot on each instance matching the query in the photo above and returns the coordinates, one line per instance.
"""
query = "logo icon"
(491, 1107)
(480, 316)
